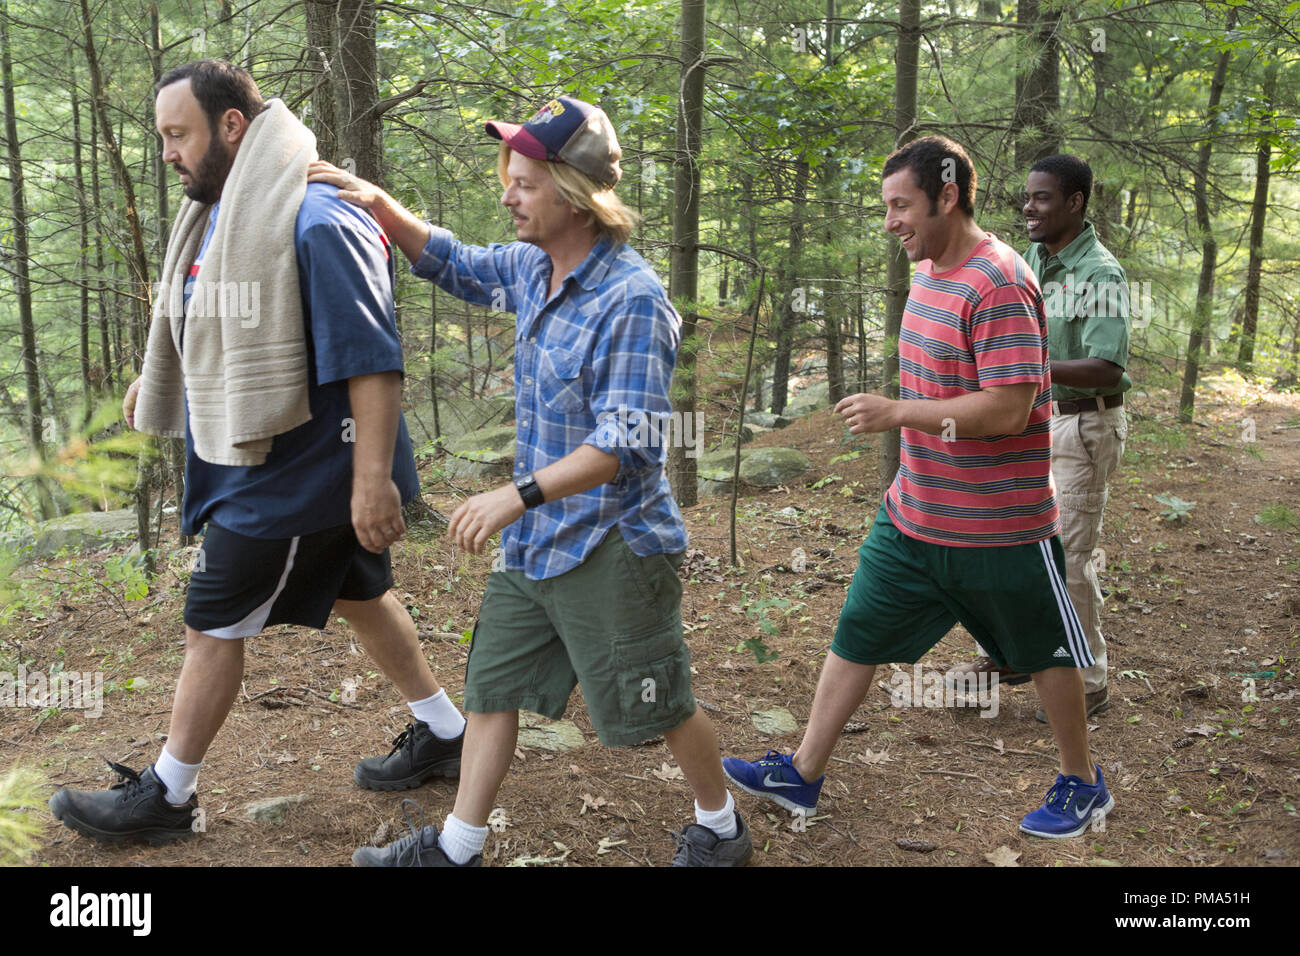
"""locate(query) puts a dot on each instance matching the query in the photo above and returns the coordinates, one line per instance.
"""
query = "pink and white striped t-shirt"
(979, 325)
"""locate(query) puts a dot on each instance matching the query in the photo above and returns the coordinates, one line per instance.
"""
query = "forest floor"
(1196, 609)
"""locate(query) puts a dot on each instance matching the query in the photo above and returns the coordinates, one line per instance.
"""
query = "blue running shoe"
(774, 777)
(1069, 808)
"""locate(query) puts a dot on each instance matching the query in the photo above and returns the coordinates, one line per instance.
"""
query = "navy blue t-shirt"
(346, 274)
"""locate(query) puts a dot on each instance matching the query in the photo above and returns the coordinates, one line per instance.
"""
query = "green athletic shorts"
(907, 594)
(613, 624)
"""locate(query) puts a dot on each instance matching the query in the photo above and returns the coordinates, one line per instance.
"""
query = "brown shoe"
(983, 665)
(1093, 703)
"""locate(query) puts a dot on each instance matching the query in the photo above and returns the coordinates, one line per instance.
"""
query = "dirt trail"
(1198, 609)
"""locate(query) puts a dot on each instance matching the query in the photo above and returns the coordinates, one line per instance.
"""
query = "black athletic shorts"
(240, 584)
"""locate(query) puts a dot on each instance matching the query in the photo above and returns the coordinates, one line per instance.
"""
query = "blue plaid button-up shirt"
(593, 365)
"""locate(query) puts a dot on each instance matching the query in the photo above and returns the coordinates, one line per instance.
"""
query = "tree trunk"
(1209, 245)
(90, 383)
(101, 296)
(831, 310)
(794, 296)
(1258, 211)
(22, 263)
(160, 168)
(898, 277)
(684, 274)
(323, 44)
(138, 262)
(356, 89)
(1038, 91)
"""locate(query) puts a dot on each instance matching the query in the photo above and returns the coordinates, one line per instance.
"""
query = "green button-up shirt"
(1086, 295)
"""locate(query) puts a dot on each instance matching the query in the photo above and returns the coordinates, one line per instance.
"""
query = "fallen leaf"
(591, 803)
(498, 820)
(997, 745)
(668, 772)
(1003, 856)
(606, 844)
(1200, 730)
(871, 757)
(1023, 783)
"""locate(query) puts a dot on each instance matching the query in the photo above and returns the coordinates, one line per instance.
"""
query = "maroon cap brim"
(517, 138)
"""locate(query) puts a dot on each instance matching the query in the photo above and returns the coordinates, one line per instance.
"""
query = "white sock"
(180, 779)
(460, 841)
(722, 822)
(440, 714)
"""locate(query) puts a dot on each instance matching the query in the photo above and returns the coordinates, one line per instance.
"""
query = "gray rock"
(486, 452)
(77, 532)
(537, 732)
(272, 809)
(811, 399)
(778, 720)
(766, 419)
(769, 467)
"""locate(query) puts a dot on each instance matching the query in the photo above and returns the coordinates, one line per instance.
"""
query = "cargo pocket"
(653, 679)
(559, 380)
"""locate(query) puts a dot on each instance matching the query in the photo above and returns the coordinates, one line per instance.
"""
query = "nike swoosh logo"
(769, 782)
(1086, 810)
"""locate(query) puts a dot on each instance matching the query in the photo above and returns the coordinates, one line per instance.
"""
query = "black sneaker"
(700, 846)
(420, 848)
(417, 755)
(134, 809)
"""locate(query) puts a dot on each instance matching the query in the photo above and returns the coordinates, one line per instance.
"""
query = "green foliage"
(1175, 508)
(22, 801)
(1278, 517)
(127, 571)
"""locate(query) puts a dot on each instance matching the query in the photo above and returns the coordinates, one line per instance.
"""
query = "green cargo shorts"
(613, 625)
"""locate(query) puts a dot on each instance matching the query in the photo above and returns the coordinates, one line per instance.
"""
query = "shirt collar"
(1079, 248)
(592, 270)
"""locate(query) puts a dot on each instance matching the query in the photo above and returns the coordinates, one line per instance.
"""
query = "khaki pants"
(1086, 449)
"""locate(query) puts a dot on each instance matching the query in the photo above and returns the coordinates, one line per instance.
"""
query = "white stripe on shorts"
(1073, 629)
(256, 619)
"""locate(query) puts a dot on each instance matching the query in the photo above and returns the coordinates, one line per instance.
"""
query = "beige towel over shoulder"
(243, 367)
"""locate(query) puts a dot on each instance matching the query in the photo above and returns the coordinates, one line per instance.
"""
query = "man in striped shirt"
(969, 529)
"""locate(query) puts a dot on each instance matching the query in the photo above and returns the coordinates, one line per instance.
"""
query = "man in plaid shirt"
(586, 590)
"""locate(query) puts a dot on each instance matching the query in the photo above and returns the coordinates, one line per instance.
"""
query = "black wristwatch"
(529, 490)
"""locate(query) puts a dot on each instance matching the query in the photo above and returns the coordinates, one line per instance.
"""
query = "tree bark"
(22, 265)
(89, 383)
(684, 274)
(1258, 212)
(791, 290)
(1038, 91)
(899, 274)
(356, 89)
(323, 45)
(831, 307)
(1209, 245)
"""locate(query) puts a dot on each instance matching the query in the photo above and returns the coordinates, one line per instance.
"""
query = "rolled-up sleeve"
(632, 373)
(483, 275)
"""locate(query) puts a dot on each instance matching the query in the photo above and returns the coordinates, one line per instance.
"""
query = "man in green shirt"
(1085, 292)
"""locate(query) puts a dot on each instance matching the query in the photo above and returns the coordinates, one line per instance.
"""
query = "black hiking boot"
(132, 810)
(417, 755)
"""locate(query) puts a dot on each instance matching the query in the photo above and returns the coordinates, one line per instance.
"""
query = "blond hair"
(604, 210)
